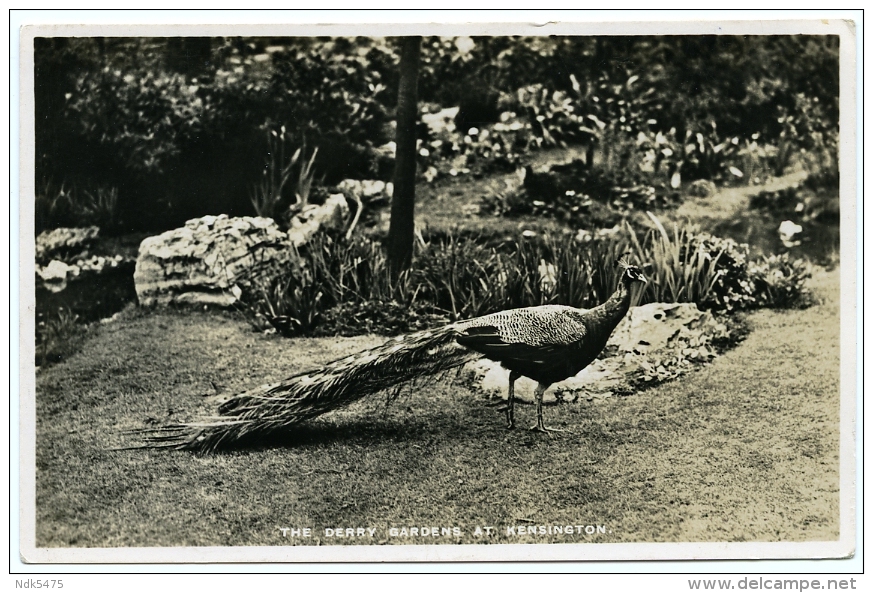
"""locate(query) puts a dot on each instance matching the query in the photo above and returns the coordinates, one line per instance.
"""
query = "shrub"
(140, 114)
(448, 150)
(99, 208)
(808, 200)
(584, 196)
(53, 207)
(780, 282)
(733, 289)
(174, 141)
(336, 95)
(716, 273)
(809, 131)
(289, 301)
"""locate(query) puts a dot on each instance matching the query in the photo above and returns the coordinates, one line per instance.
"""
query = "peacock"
(548, 343)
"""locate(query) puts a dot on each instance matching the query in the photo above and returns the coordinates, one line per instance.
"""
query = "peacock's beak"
(636, 292)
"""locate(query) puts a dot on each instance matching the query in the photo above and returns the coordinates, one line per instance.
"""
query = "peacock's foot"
(540, 427)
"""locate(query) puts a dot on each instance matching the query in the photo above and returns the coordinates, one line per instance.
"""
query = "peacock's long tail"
(275, 407)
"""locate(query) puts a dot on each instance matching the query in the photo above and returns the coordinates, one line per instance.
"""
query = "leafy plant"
(680, 268)
(268, 195)
(53, 207)
(289, 301)
(758, 160)
(806, 200)
(810, 133)
(98, 208)
(64, 206)
(588, 197)
(57, 337)
(780, 282)
(345, 284)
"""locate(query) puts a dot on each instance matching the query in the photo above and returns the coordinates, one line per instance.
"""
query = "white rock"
(56, 271)
(332, 215)
(50, 243)
(787, 231)
(203, 261)
(55, 275)
(651, 327)
(204, 258)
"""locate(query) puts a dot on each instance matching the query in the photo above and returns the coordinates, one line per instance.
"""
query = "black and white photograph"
(438, 293)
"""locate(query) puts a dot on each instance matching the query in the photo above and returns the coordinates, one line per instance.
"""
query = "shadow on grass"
(464, 426)
(362, 433)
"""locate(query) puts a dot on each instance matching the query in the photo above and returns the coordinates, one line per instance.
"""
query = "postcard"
(372, 293)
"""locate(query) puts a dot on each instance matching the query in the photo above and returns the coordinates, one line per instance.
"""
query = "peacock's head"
(633, 279)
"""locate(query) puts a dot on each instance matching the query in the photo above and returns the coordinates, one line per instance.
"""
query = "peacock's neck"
(611, 312)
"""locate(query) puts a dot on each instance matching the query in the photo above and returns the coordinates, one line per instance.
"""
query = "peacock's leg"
(510, 400)
(508, 406)
(539, 426)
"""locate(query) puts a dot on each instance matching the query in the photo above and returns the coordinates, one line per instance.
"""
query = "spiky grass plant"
(456, 278)
(268, 194)
(99, 208)
(678, 269)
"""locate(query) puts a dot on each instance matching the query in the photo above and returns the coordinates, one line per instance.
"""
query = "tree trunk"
(401, 230)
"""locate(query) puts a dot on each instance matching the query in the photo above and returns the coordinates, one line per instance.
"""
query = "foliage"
(172, 140)
(345, 286)
(586, 197)
(780, 282)
(451, 278)
(99, 208)
(174, 123)
(268, 196)
(63, 206)
(53, 207)
(716, 273)
(143, 115)
(448, 150)
(733, 289)
(289, 301)
(680, 268)
(758, 160)
(57, 337)
(807, 131)
(335, 96)
(379, 317)
(808, 200)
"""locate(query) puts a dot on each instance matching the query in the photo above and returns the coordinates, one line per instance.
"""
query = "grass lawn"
(745, 449)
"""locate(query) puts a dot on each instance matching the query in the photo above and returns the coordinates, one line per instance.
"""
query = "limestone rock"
(55, 275)
(203, 260)
(63, 243)
(333, 215)
(657, 326)
(367, 190)
(646, 335)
